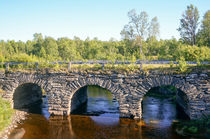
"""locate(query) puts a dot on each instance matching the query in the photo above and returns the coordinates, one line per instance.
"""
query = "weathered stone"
(129, 90)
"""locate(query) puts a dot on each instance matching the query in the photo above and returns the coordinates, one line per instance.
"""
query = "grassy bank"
(6, 113)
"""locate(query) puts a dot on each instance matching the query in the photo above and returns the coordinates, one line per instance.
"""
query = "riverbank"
(6, 113)
(9, 118)
(16, 119)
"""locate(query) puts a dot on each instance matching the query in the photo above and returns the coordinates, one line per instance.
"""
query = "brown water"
(158, 116)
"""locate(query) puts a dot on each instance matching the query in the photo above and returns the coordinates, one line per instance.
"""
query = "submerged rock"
(17, 133)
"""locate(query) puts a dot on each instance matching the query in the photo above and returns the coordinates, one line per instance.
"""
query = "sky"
(103, 19)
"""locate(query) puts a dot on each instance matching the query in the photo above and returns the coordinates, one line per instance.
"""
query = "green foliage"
(5, 113)
(193, 129)
(182, 64)
(45, 50)
(96, 91)
(21, 58)
(20, 66)
(193, 53)
(170, 88)
(43, 92)
(171, 64)
(44, 64)
(203, 35)
(157, 92)
(189, 24)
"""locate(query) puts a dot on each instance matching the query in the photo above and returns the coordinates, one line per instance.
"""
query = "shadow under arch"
(189, 92)
(29, 97)
(93, 100)
(164, 103)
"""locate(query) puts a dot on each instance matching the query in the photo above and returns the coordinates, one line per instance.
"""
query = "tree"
(51, 47)
(136, 29)
(9, 49)
(29, 47)
(188, 25)
(128, 33)
(67, 49)
(21, 47)
(154, 28)
(137, 25)
(43, 53)
(14, 45)
(38, 41)
(204, 32)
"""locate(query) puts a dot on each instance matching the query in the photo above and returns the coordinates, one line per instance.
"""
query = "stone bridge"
(129, 90)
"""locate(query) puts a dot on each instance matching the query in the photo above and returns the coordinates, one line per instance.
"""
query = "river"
(99, 119)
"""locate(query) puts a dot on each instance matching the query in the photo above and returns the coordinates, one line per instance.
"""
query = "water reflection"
(158, 114)
(159, 111)
(100, 103)
(40, 108)
(76, 126)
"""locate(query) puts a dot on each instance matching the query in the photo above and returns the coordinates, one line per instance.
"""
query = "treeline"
(139, 41)
(76, 49)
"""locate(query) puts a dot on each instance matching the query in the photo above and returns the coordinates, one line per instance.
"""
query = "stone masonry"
(128, 90)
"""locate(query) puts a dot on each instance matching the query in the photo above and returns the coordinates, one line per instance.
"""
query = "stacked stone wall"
(127, 89)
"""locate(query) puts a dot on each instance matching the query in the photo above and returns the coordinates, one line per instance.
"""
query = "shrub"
(22, 58)
(182, 64)
(192, 53)
(171, 64)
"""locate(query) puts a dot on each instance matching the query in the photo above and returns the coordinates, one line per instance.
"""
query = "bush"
(193, 53)
(171, 64)
(182, 64)
(22, 58)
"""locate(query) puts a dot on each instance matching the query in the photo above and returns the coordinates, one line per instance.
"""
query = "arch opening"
(30, 97)
(164, 104)
(93, 100)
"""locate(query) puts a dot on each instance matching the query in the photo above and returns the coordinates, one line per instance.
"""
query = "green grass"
(6, 113)
(121, 68)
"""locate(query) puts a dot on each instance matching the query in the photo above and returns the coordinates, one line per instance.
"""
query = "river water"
(99, 119)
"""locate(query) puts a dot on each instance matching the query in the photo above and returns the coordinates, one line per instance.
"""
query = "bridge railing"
(69, 64)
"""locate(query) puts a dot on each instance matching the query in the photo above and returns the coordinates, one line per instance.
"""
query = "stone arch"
(187, 89)
(23, 99)
(106, 84)
(28, 79)
(32, 78)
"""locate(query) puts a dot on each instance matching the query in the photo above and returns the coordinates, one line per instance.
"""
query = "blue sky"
(104, 19)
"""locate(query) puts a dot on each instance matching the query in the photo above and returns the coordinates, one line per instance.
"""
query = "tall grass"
(5, 114)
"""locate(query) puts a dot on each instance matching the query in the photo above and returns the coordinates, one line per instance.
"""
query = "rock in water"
(17, 134)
